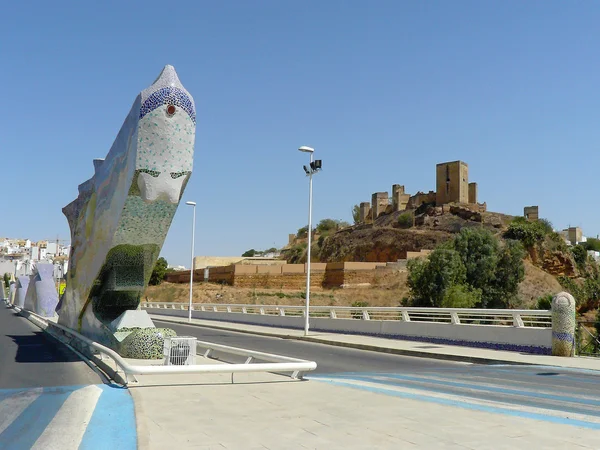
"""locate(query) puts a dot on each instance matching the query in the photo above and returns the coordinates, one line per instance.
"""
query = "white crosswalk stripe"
(13, 406)
(67, 418)
(68, 426)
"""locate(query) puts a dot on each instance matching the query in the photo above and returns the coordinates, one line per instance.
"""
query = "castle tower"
(452, 183)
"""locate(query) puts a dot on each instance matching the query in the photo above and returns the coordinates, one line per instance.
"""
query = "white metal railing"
(520, 318)
(275, 363)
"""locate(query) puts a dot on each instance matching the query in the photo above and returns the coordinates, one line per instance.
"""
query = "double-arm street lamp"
(314, 167)
(192, 265)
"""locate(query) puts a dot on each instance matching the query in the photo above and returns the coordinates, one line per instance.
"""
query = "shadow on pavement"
(37, 348)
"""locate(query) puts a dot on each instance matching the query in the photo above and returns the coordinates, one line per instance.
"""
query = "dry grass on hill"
(536, 284)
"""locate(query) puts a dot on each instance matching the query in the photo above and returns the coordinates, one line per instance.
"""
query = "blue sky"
(383, 90)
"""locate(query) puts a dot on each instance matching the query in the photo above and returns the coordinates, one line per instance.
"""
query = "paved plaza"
(261, 411)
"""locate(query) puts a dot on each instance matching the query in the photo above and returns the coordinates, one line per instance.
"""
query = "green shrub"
(302, 232)
(461, 296)
(529, 233)
(358, 304)
(405, 220)
(544, 302)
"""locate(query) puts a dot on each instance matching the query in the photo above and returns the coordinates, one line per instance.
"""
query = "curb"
(373, 348)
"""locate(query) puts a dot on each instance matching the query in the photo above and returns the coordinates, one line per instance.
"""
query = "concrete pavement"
(266, 411)
(443, 404)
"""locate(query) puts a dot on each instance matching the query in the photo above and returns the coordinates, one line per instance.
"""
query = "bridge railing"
(520, 318)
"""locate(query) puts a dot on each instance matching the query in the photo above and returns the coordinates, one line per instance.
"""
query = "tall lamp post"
(192, 265)
(314, 167)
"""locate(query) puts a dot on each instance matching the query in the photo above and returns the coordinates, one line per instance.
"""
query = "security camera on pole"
(314, 167)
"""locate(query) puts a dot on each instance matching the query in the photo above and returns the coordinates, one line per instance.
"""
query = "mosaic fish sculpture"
(121, 217)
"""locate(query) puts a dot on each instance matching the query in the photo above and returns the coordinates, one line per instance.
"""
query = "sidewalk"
(408, 348)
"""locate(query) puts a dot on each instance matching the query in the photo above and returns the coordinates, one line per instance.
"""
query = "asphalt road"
(30, 358)
(550, 388)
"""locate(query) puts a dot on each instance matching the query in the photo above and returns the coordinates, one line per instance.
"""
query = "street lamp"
(314, 167)
(192, 265)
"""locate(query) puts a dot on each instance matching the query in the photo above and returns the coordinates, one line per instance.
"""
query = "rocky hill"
(390, 238)
(393, 235)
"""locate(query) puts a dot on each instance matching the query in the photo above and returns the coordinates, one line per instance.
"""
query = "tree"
(249, 253)
(327, 225)
(356, 214)
(529, 233)
(510, 271)
(488, 274)
(579, 254)
(159, 271)
(405, 220)
(7, 279)
(592, 244)
(428, 279)
(461, 296)
(302, 232)
(478, 249)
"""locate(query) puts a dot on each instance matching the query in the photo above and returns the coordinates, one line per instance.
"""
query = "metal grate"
(180, 351)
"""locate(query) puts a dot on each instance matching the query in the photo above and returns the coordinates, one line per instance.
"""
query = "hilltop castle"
(452, 187)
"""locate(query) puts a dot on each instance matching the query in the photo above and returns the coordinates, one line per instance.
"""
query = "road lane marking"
(572, 419)
(70, 422)
(13, 405)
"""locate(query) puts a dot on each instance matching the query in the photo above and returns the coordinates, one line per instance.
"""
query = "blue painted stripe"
(501, 371)
(470, 406)
(113, 422)
(475, 387)
(31, 423)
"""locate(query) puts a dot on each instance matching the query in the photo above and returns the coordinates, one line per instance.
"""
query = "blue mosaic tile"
(168, 96)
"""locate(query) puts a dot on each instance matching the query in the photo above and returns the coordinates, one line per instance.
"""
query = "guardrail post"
(281, 312)
(365, 315)
(215, 309)
(262, 311)
(454, 318)
(244, 310)
(405, 316)
(332, 314)
(517, 320)
(229, 309)
(249, 360)
(173, 306)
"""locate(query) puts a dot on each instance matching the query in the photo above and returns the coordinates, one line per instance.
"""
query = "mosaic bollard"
(563, 324)
(42, 297)
(121, 216)
(11, 292)
(21, 290)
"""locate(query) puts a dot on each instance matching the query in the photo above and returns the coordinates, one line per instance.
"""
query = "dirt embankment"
(378, 244)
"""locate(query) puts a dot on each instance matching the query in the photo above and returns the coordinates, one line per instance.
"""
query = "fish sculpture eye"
(171, 110)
